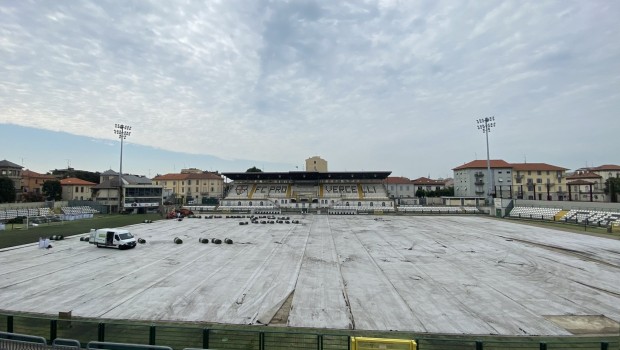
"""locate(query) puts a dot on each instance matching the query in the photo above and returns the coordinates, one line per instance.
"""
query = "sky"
(366, 85)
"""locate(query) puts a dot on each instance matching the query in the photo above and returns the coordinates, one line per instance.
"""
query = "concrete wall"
(568, 205)
(57, 205)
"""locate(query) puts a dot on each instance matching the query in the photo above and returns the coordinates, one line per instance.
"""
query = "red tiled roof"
(398, 180)
(30, 173)
(536, 167)
(427, 181)
(482, 164)
(583, 176)
(606, 167)
(75, 181)
(188, 176)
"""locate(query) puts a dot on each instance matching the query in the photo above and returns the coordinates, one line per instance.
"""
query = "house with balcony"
(473, 179)
(538, 181)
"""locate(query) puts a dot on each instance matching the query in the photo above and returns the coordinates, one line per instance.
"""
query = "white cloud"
(365, 84)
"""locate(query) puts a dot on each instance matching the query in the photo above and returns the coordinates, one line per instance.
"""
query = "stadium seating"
(438, 210)
(534, 212)
(594, 217)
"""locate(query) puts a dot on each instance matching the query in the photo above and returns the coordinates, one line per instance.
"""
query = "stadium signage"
(271, 189)
(349, 189)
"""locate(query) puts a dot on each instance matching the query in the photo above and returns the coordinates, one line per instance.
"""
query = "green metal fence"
(263, 338)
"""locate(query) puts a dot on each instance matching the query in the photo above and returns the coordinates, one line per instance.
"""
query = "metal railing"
(65, 334)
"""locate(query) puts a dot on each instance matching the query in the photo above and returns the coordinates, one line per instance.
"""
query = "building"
(139, 194)
(428, 185)
(539, 181)
(316, 163)
(400, 189)
(76, 189)
(191, 188)
(32, 182)
(471, 179)
(13, 172)
(588, 184)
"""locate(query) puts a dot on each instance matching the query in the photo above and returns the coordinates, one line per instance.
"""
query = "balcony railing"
(479, 182)
(479, 174)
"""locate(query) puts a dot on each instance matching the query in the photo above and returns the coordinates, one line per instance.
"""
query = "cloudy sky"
(367, 85)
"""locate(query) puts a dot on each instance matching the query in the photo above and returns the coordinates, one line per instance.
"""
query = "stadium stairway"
(360, 192)
(560, 215)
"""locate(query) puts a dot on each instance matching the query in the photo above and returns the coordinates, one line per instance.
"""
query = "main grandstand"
(339, 191)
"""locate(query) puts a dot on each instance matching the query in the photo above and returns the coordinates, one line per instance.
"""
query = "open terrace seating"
(534, 212)
(438, 210)
(594, 217)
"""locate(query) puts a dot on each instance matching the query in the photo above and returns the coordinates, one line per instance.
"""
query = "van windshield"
(125, 235)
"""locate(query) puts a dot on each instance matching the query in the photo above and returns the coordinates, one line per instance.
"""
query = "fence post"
(9, 324)
(478, 345)
(543, 346)
(261, 341)
(152, 335)
(319, 342)
(604, 346)
(53, 329)
(101, 332)
(205, 338)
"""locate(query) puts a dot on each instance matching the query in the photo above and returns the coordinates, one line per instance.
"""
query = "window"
(539, 188)
(499, 172)
(197, 190)
(82, 189)
(500, 180)
(547, 172)
(182, 189)
(539, 172)
(507, 171)
(529, 172)
(539, 181)
(212, 189)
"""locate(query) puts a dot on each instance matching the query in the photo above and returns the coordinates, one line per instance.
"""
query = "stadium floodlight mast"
(123, 131)
(485, 125)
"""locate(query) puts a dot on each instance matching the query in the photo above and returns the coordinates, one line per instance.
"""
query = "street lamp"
(485, 125)
(122, 131)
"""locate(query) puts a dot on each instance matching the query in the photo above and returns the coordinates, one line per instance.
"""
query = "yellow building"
(316, 163)
(538, 181)
(76, 189)
(190, 187)
(32, 182)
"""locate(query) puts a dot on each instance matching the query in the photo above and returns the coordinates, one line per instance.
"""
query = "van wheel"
(98, 246)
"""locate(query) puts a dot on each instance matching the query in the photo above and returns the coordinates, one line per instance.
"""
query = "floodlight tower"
(485, 124)
(123, 131)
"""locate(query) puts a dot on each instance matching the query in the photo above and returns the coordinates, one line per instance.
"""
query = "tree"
(32, 197)
(420, 193)
(612, 188)
(254, 170)
(7, 190)
(52, 190)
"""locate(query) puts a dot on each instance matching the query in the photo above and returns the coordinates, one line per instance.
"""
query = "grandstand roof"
(6, 164)
(75, 181)
(482, 164)
(536, 166)
(310, 175)
(188, 176)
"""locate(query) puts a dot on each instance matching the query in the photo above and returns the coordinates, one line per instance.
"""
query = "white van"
(112, 237)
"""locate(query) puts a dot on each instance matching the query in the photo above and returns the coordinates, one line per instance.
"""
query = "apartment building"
(191, 187)
(539, 181)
